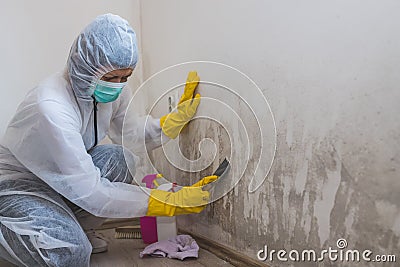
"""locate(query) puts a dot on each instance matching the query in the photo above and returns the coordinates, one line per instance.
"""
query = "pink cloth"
(178, 247)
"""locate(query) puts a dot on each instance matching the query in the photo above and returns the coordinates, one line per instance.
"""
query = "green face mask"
(105, 92)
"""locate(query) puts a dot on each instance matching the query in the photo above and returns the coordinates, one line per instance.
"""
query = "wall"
(330, 72)
(36, 38)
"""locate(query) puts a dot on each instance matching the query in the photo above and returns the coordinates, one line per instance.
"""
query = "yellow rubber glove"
(205, 180)
(186, 201)
(191, 83)
(173, 123)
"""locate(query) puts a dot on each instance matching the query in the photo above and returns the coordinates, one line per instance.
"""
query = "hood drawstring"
(95, 123)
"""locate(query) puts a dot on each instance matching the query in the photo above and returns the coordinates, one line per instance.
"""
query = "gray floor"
(125, 253)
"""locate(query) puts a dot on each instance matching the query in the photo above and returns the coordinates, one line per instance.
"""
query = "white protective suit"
(53, 127)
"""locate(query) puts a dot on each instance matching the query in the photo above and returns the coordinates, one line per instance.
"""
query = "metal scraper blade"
(222, 168)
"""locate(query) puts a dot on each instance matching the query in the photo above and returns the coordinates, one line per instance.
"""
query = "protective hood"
(106, 44)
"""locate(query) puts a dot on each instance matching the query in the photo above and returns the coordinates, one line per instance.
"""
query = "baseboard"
(223, 252)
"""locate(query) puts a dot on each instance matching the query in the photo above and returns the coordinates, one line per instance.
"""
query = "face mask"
(105, 92)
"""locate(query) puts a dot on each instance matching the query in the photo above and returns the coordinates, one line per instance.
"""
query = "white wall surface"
(330, 70)
(36, 38)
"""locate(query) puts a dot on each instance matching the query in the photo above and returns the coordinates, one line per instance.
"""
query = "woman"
(56, 182)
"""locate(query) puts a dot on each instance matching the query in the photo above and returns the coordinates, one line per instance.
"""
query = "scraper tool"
(222, 168)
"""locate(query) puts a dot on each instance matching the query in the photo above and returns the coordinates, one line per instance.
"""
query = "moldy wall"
(330, 71)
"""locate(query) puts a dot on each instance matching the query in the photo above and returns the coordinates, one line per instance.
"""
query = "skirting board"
(233, 257)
